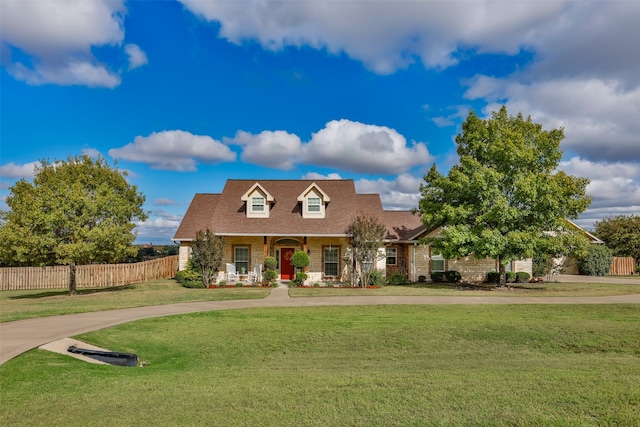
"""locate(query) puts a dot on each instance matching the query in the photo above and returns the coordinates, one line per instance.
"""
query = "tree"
(300, 260)
(505, 199)
(270, 264)
(77, 211)
(206, 254)
(621, 234)
(367, 237)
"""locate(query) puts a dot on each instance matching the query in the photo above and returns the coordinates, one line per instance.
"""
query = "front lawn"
(337, 366)
(514, 289)
(17, 305)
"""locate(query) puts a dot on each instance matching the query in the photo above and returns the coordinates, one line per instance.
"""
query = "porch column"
(306, 250)
(265, 247)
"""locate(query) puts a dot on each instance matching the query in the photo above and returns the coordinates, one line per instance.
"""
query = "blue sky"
(187, 94)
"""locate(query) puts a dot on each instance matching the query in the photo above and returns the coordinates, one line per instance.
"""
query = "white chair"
(232, 275)
(256, 274)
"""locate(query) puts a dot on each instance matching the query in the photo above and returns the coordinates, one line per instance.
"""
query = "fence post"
(72, 278)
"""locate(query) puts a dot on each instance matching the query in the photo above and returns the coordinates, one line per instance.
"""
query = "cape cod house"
(260, 218)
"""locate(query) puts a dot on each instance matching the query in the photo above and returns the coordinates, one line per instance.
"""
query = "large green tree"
(76, 211)
(622, 234)
(505, 199)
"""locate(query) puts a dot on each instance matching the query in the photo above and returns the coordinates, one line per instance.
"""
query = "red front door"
(286, 268)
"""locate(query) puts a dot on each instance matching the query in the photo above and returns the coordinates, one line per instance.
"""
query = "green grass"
(515, 289)
(17, 305)
(333, 366)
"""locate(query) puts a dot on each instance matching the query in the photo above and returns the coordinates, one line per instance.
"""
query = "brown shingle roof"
(224, 213)
(402, 225)
(201, 209)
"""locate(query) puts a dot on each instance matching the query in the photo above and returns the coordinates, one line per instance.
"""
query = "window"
(257, 204)
(392, 256)
(331, 257)
(241, 258)
(437, 262)
(313, 204)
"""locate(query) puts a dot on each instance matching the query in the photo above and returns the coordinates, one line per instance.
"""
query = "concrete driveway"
(23, 335)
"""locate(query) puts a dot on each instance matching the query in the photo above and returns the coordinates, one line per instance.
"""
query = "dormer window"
(314, 202)
(258, 201)
(257, 204)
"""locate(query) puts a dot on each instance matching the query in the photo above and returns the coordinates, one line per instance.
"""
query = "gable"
(313, 201)
(258, 201)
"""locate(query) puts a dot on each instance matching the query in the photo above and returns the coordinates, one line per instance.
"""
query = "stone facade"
(472, 269)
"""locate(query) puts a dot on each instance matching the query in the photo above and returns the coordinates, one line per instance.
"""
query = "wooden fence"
(622, 266)
(87, 276)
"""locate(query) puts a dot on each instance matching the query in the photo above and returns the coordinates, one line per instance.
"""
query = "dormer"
(258, 201)
(314, 202)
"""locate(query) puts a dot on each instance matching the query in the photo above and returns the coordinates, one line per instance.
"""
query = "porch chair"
(256, 274)
(232, 275)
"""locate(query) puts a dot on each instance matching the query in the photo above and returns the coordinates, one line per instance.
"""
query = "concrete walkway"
(23, 335)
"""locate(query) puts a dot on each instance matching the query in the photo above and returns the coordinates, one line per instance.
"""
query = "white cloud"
(615, 188)
(569, 38)
(600, 170)
(165, 202)
(137, 57)
(69, 73)
(319, 177)
(14, 171)
(347, 145)
(91, 152)
(460, 112)
(385, 36)
(600, 117)
(401, 193)
(274, 149)
(159, 230)
(341, 144)
(590, 39)
(58, 37)
(174, 150)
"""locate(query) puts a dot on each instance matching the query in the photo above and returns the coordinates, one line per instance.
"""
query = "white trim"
(268, 196)
(593, 238)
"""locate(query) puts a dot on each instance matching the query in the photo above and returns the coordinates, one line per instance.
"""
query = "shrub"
(511, 276)
(422, 279)
(239, 284)
(223, 283)
(438, 277)
(397, 279)
(541, 265)
(597, 262)
(270, 263)
(300, 278)
(522, 277)
(193, 284)
(453, 276)
(300, 259)
(186, 277)
(493, 277)
(376, 278)
(270, 275)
